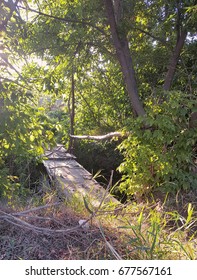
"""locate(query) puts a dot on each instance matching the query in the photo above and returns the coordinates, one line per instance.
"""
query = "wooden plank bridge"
(71, 178)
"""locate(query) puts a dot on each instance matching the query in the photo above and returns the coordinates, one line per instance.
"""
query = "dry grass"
(50, 230)
(61, 236)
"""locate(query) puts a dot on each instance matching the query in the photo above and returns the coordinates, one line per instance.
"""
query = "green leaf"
(32, 138)
(189, 213)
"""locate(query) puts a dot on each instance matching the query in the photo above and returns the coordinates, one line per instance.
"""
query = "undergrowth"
(162, 153)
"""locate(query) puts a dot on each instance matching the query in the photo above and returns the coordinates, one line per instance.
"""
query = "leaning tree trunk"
(174, 61)
(181, 36)
(124, 57)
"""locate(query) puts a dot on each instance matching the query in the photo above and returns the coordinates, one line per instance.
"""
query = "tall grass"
(162, 235)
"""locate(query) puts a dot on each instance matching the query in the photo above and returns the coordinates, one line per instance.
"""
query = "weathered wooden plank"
(72, 178)
(58, 152)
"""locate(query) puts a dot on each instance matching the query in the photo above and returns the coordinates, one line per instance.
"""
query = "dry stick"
(23, 224)
(18, 222)
(116, 255)
(11, 218)
(35, 217)
(94, 214)
(35, 209)
(106, 191)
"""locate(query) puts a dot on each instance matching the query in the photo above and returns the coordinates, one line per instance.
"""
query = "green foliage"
(21, 129)
(162, 153)
(58, 123)
(22, 139)
(151, 238)
(45, 47)
(146, 241)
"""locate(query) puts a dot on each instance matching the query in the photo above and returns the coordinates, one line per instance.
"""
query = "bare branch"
(36, 209)
(111, 248)
(23, 224)
(100, 137)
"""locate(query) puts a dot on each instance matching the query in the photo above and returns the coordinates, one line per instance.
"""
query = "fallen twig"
(15, 220)
(35, 209)
(21, 223)
(111, 248)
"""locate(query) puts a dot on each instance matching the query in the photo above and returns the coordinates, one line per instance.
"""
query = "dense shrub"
(160, 150)
(59, 123)
(23, 138)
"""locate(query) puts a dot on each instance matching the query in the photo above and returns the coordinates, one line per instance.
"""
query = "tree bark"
(124, 57)
(174, 61)
(72, 111)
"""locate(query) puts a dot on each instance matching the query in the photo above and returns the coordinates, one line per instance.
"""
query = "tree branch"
(174, 61)
(101, 137)
(4, 79)
(12, 7)
(164, 42)
(83, 22)
(121, 45)
(5, 59)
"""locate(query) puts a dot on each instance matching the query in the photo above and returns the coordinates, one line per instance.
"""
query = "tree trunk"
(124, 57)
(72, 112)
(174, 61)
